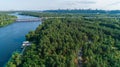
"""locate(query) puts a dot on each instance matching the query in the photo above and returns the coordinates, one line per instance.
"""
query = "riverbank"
(12, 36)
(84, 42)
(6, 19)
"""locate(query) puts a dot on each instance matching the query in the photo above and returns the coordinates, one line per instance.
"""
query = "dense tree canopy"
(6, 19)
(67, 42)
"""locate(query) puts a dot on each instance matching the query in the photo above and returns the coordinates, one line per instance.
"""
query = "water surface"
(12, 36)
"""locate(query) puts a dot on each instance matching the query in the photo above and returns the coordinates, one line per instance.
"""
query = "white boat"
(25, 43)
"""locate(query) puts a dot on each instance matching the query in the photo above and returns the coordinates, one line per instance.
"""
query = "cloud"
(56, 4)
(115, 3)
(78, 3)
(112, 5)
(86, 2)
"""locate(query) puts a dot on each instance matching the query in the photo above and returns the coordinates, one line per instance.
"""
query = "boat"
(25, 43)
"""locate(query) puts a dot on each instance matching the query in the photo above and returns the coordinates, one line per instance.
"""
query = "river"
(12, 36)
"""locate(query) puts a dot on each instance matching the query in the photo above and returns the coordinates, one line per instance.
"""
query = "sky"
(59, 4)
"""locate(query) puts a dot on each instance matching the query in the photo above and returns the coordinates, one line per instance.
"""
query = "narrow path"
(23, 50)
(80, 57)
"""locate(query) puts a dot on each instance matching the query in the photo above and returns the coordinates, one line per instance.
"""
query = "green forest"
(72, 42)
(6, 19)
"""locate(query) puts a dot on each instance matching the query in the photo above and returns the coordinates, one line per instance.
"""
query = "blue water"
(12, 36)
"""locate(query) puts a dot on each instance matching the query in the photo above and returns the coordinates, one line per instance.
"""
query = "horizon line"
(56, 9)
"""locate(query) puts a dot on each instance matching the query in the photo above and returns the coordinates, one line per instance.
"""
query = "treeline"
(6, 19)
(72, 42)
(88, 11)
(76, 11)
(47, 14)
(70, 15)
